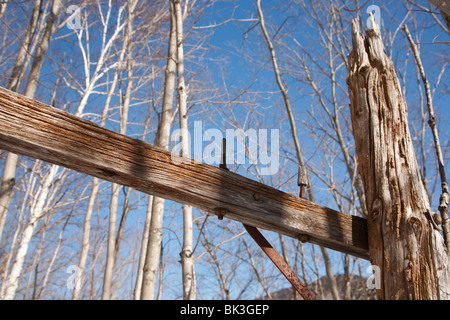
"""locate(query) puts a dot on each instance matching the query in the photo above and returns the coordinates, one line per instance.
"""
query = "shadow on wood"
(33, 129)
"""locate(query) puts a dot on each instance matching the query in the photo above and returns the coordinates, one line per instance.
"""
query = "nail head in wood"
(303, 238)
(221, 213)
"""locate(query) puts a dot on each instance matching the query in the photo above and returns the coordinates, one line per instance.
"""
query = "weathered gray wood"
(443, 5)
(403, 242)
(34, 129)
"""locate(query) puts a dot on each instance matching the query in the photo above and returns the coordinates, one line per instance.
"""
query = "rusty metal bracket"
(263, 243)
(279, 263)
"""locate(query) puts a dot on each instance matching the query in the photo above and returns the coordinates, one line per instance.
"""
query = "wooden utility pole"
(404, 241)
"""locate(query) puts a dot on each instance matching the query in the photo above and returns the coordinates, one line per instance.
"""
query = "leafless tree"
(9, 287)
(153, 251)
(301, 162)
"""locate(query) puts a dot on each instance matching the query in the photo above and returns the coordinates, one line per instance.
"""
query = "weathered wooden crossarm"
(33, 129)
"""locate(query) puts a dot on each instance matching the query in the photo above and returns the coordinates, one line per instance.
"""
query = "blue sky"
(233, 64)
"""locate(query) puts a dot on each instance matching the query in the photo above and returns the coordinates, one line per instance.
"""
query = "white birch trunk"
(155, 233)
(12, 282)
(144, 243)
(109, 267)
(79, 276)
(153, 250)
(115, 188)
(9, 288)
(187, 261)
(9, 171)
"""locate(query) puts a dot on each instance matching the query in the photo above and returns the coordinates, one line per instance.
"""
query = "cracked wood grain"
(33, 129)
(402, 241)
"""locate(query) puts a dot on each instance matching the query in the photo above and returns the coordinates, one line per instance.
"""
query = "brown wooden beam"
(36, 130)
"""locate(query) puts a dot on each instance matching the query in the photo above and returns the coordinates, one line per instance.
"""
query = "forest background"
(106, 62)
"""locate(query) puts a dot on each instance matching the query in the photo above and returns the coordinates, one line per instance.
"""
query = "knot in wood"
(444, 198)
(408, 270)
(186, 253)
(416, 227)
(437, 218)
(377, 208)
(432, 121)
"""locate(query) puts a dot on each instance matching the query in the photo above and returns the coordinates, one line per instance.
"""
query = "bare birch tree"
(107, 59)
(9, 171)
(10, 286)
(307, 45)
(187, 261)
(444, 199)
(155, 231)
(106, 47)
(125, 104)
(306, 182)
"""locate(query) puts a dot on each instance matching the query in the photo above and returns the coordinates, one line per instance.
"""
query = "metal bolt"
(256, 196)
(223, 156)
(221, 213)
(303, 238)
